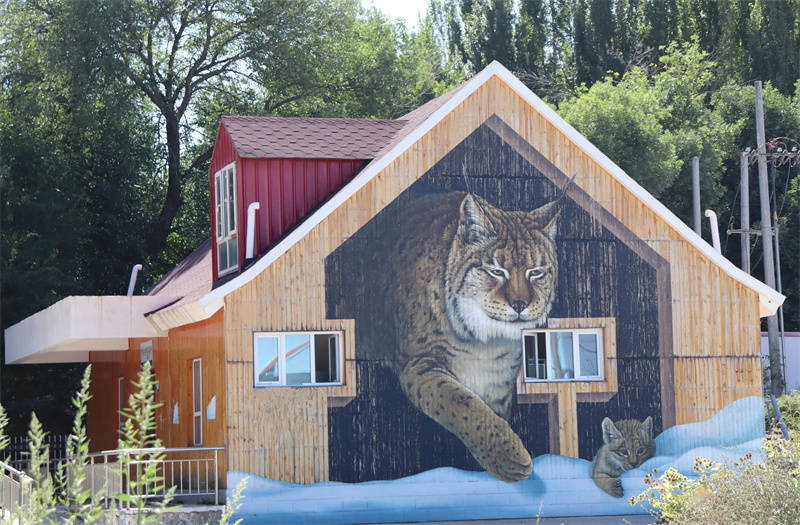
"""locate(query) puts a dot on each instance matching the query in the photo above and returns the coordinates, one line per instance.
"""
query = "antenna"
(567, 185)
(464, 174)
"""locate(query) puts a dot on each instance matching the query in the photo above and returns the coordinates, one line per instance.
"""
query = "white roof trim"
(770, 299)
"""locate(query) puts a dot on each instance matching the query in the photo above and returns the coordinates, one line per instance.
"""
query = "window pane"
(219, 221)
(198, 429)
(266, 359)
(536, 356)
(233, 252)
(587, 344)
(197, 393)
(298, 359)
(222, 257)
(231, 204)
(325, 355)
(562, 366)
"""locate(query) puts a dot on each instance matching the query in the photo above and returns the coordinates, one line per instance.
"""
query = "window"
(225, 202)
(563, 355)
(297, 359)
(197, 401)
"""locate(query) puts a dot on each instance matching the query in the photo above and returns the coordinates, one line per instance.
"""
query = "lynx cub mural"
(459, 323)
(627, 444)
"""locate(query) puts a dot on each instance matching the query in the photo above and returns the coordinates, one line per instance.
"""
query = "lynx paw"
(502, 453)
(611, 485)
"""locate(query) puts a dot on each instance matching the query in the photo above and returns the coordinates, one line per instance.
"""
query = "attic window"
(225, 201)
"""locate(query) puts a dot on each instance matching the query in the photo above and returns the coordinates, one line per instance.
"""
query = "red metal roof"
(310, 138)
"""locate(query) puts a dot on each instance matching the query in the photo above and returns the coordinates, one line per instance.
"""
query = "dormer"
(289, 166)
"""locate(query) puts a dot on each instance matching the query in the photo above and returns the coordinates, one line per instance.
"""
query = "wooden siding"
(172, 362)
(715, 322)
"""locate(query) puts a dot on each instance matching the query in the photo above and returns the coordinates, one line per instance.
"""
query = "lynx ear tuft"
(474, 223)
(610, 431)
(647, 428)
(545, 217)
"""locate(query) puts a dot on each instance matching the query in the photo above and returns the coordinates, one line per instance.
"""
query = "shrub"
(743, 492)
(69, 488)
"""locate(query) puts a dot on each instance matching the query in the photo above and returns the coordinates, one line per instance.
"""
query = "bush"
(789, 406)
(70, 491)
(744, 492)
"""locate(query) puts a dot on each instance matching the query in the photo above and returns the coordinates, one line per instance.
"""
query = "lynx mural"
(442, 284)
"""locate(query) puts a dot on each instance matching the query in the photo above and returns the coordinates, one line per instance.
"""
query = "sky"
(405, 9)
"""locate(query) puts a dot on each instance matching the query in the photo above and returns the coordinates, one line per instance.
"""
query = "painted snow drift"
(454, 494)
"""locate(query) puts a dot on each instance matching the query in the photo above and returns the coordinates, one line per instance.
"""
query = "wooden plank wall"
(172, 361)
(281, 433)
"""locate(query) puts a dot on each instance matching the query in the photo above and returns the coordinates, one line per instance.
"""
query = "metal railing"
(191, 471)
(15, 488)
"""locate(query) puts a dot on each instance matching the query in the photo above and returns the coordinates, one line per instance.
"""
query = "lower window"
(297, 359)
(558, 355)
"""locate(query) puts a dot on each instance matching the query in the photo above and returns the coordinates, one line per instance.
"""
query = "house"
(443, 316)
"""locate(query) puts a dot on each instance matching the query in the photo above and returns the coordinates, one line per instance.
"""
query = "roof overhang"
(71, 328)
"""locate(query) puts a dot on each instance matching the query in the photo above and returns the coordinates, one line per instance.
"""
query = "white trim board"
(770, 299)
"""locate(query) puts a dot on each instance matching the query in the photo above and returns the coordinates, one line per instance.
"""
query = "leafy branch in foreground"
(142, 463)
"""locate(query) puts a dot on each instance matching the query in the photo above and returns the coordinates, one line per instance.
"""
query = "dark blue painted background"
(380, 435)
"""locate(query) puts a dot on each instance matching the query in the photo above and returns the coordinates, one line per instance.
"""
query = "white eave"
(68, 330)
(209, 303)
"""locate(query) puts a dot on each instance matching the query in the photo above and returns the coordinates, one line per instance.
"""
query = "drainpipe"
(251, 228)
(132, 282)
(712, 219)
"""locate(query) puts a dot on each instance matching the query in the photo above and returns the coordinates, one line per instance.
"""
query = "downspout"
(712, 219)
(251, 229)
(132, 282)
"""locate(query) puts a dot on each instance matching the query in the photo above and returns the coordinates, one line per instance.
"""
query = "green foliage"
(789, 405)
(40, 506)
(233, 504)
(624, 120)
(668, 494)
(139, 438)
(747, 491)
(72, 480)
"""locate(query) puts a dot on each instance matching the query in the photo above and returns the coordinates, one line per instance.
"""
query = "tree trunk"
(162, 225)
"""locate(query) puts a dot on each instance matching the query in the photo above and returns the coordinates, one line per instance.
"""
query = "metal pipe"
(251, 229)
(712, 219)
(744, 172)
(132, 281)
(696, 194)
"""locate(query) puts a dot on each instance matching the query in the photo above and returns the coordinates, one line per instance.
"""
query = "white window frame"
(198, 440)
(598, 332)
(222, 230)
(281, 336)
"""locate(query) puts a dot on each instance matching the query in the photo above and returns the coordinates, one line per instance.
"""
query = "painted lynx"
(626, 445)
(464, 278)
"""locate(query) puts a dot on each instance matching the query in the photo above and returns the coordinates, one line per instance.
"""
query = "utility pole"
(696, 194)
(775, 361)
(744, 171)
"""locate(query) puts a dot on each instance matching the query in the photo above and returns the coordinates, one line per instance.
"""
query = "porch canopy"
(71, 328)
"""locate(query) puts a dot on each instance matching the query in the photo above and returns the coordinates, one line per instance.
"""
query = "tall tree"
(530, 36)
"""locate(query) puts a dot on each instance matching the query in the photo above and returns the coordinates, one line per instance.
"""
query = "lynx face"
(501, 270)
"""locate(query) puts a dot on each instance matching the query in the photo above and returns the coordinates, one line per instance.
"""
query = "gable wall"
(282, 433)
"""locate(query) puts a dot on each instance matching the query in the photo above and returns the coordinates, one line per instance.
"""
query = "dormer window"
(227, 240)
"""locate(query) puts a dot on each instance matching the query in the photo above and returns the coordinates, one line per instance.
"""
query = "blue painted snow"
(558, 486)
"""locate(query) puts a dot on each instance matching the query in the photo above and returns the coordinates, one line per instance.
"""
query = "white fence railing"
(192, 471)
(15, 488)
